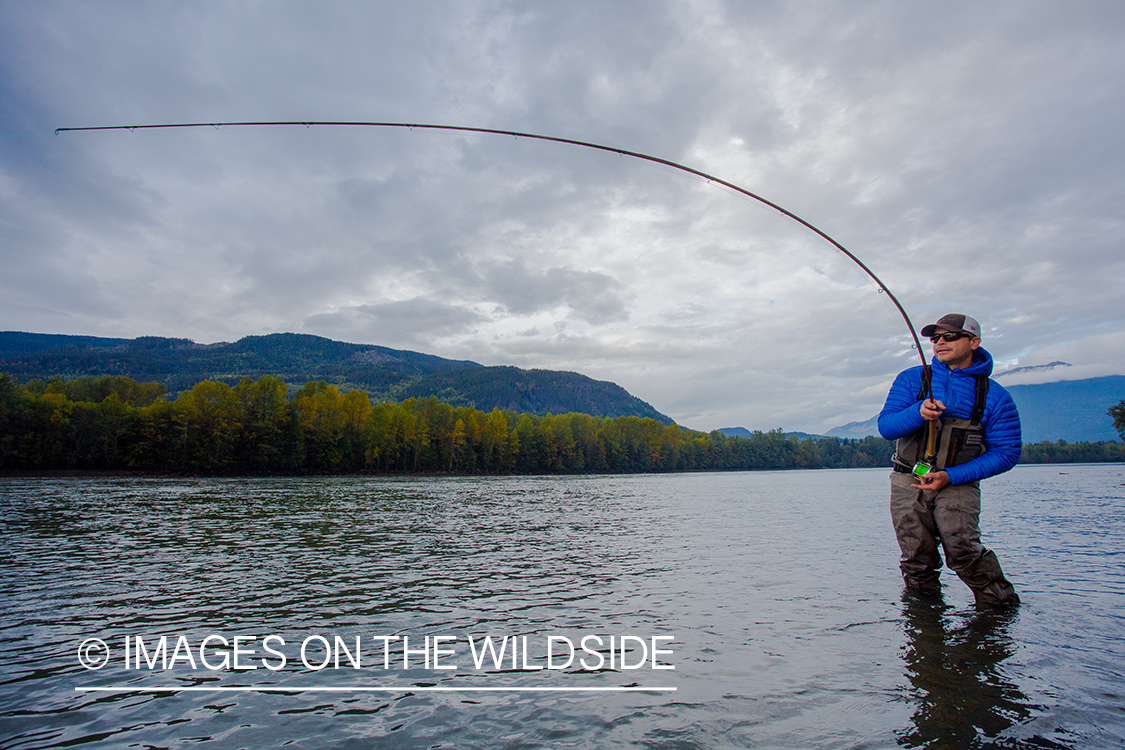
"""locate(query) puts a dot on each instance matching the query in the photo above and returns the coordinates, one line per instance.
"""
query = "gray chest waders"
(958, 441)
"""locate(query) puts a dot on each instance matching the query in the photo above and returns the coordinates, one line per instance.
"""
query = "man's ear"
(974, 342)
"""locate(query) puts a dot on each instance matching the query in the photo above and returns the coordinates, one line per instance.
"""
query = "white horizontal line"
(357, 689)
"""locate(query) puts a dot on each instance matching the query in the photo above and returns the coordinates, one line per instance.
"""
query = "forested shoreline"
(113, 423)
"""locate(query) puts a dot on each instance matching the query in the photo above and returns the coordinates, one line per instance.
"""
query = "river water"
(774, 595)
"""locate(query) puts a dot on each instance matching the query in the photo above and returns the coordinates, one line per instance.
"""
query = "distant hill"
(386, 374)
(857, 429)
(181, 363)
(1070, 410)
(742, 432)
(15, 343)
(1033, 368)
(531, 391)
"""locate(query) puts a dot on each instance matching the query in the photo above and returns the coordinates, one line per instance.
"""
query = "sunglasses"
(950, 336)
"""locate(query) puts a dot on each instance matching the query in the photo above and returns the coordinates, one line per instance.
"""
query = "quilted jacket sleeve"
(900, 415)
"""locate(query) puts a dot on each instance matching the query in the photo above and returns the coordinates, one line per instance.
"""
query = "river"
(746, 610)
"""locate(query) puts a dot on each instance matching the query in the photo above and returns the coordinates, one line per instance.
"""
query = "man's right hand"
(933, 481)
(931, 410)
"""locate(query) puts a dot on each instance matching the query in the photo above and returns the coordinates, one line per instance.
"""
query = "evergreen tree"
(1118, 414)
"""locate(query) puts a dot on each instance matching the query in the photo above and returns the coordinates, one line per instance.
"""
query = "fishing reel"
(926, 465)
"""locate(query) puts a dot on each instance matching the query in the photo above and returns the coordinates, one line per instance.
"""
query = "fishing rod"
(570, 142)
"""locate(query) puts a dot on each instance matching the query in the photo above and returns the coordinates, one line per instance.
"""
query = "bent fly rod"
(566, 141)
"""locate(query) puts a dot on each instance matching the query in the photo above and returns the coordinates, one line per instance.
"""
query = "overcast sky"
(971, 154)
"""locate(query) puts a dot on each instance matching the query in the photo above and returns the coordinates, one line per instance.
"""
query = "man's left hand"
(932, 481)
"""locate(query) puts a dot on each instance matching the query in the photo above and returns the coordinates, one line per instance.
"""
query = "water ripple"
(780, 590)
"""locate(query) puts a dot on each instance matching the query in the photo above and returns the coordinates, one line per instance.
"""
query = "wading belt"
(959, 440)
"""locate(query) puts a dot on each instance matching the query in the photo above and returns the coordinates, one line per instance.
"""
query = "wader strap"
(982, 394)
(978, 402)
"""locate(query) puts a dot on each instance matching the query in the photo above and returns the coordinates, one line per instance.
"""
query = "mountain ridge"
(1050, 366)
(385, 374)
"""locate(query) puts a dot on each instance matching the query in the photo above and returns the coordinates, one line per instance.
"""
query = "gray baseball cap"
(954, 322)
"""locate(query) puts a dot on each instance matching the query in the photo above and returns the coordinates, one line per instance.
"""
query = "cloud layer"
(970, 154)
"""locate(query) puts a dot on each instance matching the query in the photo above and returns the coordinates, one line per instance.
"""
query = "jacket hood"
(982, 364)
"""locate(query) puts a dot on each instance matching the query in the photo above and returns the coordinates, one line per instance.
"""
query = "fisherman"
(977, 431)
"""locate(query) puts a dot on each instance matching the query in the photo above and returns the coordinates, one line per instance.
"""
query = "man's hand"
(931, 410)
(932, 481)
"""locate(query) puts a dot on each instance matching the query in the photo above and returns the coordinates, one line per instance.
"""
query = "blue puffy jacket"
(957, 390)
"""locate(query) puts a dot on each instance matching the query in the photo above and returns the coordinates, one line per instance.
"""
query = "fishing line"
(551, 139)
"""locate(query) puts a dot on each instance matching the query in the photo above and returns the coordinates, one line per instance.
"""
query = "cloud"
(1092, 356)
(404, 323)
(971, 155)
(591, 297)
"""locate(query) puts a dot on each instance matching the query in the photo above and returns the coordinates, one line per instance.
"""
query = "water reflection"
(954, 663)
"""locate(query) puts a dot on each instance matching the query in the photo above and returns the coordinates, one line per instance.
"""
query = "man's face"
(955, 354)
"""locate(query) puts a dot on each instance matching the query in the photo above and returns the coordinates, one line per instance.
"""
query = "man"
(978, 437)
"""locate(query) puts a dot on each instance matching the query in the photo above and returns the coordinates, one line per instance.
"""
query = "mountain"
(1033, 368)
(742, 432)
(1070, 410)
(386, 374)
(531, 391)
(856, 430)
(14, 343)
(181, 363)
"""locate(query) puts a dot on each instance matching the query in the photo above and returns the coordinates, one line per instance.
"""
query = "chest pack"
(959, 440)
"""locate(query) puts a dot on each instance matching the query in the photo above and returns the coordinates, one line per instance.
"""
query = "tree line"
(1062, 452)
(256, 427)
